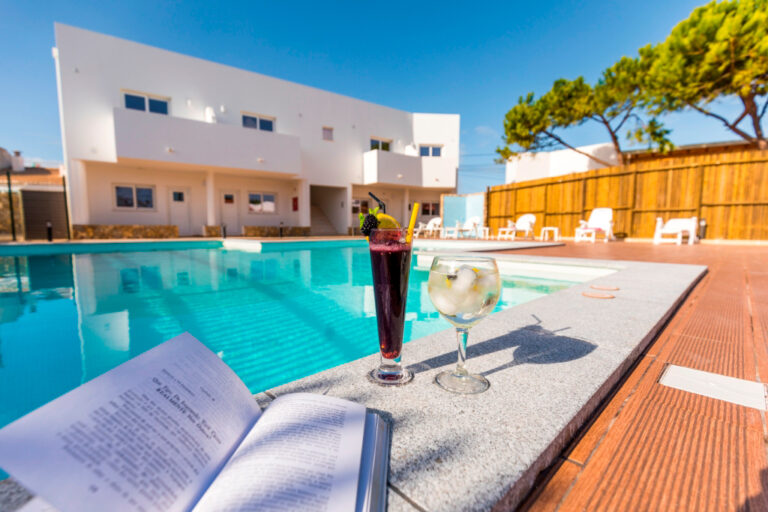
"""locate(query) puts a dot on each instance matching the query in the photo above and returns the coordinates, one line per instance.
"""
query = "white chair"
(677, 227)
(524, 223)
(433, 227)
(600, 221)
(475, 225)
(419, 230)
(451, 232)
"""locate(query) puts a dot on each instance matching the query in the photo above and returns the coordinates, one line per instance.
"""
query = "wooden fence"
(726, 185)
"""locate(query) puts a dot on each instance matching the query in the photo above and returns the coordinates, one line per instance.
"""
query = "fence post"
(10, 204)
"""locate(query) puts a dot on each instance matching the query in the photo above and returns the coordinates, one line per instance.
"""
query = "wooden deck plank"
(652, 447)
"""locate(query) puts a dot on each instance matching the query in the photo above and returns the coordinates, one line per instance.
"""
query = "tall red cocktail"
(391, 265)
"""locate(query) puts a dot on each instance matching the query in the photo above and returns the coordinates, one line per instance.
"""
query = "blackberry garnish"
(370, 222)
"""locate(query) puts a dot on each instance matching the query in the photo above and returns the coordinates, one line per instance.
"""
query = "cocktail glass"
(391, 264)
(464, 291)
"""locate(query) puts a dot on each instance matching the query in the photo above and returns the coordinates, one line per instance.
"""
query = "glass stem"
(461, 337)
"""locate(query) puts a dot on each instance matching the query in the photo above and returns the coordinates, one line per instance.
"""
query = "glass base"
(466, 384)
(392, 376)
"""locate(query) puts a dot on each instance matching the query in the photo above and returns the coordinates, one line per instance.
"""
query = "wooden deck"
(652, 447)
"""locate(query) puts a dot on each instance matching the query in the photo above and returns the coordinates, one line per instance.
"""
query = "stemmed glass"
(464, 291)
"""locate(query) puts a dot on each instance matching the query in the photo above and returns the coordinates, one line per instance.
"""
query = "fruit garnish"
(368, 223)
(386, 221)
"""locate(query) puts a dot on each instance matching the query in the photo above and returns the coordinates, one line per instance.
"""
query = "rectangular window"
(327, 133)
(130, 196)
(269, 203)
(260, 202)
(178, 197)
(144, 102)
(124, 197)
(430, 150)
(229, 198)
(254, 203)
(158, 106)
(144, 197)
(430, 209)
(135, 102)
(259, 122)
(380, 144)
(360, 206)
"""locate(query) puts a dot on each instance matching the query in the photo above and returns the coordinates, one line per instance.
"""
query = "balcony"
(146, 136)
(384, 167)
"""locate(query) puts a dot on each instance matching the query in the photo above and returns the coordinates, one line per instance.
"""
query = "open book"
(174, 429)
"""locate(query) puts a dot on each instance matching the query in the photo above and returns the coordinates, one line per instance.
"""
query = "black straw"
(381, 203)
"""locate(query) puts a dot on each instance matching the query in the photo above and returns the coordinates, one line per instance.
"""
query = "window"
(178, 197)
(135, 101)
(259, 202)
(124, 197)
(327, 133)
(430, 150)
(430, 209)
(138, 197)
(259, 122)
(360, 206)
(380, 144)
(144, 197)
(229, 198)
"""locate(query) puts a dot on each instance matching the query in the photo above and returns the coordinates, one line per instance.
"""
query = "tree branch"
(764, 109)
(626, 116)
(561, 141)
(734, 129)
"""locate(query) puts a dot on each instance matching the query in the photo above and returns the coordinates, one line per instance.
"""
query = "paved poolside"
(652, 447)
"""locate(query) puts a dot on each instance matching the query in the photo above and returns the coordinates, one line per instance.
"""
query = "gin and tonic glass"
(464, 291)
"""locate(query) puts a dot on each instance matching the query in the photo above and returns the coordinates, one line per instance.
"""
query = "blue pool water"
(274, 316)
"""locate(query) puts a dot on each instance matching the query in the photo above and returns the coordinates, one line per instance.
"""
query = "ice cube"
(465, 279)
(443, 302)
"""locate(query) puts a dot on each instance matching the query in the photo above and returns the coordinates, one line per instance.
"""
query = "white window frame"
(135, 207)
(259, 117)
(431, 150)
(359, 202)
(147, 96)
(262, 193)
(322, 133)
(380, 140)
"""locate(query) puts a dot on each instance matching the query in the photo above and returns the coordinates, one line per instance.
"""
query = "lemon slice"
(386, 221)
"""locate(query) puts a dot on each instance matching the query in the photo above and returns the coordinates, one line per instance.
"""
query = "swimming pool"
(274, 316)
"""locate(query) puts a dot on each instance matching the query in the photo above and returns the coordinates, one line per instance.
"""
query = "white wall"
(533, 166)
(439, 129)
(334, 204)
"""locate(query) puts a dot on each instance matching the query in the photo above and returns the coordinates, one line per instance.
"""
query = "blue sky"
(474, 59)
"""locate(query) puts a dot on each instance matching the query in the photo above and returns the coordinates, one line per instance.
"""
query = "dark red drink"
(391, 264)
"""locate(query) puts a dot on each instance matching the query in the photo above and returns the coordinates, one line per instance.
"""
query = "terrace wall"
(727, 185)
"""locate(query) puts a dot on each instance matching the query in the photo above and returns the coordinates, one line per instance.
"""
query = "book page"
(149, 435)
(303, 454)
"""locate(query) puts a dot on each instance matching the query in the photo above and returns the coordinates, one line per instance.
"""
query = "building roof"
(36, 176)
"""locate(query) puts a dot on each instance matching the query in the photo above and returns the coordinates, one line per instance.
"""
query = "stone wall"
(5, 215)
(212, 231)
(271, 231)
(90, 231)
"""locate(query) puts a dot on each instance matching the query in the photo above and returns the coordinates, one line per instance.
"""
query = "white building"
(547, 164)
(155, 138)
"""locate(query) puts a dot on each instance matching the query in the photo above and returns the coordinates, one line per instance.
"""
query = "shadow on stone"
(532, 344)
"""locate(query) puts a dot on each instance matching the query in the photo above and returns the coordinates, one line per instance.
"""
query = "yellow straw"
(412, 224)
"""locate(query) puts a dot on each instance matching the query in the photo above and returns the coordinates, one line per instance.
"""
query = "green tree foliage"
(613, 101)
(721, 50)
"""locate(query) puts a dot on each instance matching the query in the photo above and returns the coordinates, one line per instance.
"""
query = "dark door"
(41, 207)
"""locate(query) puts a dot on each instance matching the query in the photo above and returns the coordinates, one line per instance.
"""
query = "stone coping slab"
(551, 362)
